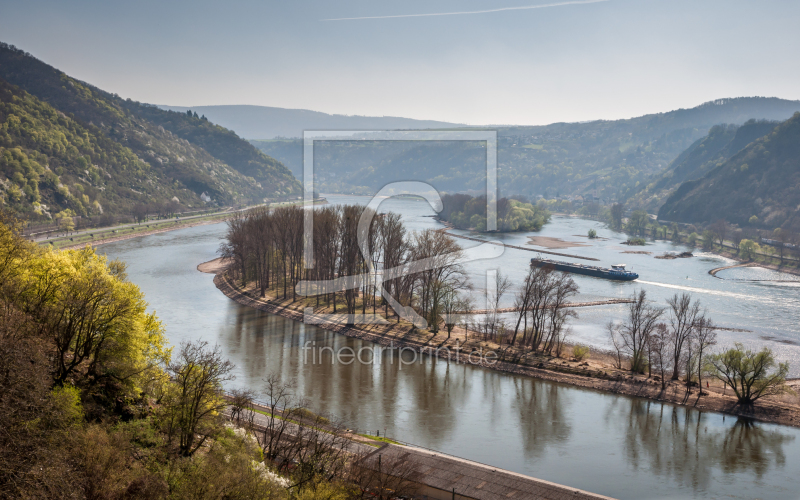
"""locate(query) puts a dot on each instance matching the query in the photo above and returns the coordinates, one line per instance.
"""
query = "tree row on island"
(420, 269)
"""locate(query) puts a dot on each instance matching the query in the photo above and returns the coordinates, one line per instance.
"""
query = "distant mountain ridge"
(613, 160)
(757, 186)
(722, 142)
(265, 122)
(102, 148)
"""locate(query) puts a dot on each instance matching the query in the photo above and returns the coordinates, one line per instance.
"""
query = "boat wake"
(700, 290)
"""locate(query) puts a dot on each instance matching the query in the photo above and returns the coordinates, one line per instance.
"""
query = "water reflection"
(691, 446)
(543, 415)
(747, 446)
(427, 402)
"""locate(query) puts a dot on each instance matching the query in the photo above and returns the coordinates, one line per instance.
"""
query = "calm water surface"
(618, 446)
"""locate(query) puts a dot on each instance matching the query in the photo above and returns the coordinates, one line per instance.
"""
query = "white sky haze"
(507, 62)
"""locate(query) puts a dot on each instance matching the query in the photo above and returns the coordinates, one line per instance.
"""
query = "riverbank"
(754, 263)
(789, 266)
(135, 234)
(713, 272)
(597, 372)
(111, 234)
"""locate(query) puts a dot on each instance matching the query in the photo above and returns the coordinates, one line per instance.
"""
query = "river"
(763, 303)
(619, 446)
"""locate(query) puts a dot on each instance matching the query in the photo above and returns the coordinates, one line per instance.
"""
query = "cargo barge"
(616, 272)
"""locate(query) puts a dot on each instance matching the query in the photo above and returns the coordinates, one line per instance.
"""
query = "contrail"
(524, 7)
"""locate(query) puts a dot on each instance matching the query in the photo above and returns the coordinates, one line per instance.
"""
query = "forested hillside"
(758, 186)
(50, 162)
(128, 152)
(722, 142)
(609, 159)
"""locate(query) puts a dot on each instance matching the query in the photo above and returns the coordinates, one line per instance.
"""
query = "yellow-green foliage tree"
(748, 249)
(95, 321)
(84, 391)
(65, 220)
(749, 373)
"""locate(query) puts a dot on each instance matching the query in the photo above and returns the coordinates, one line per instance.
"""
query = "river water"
(619, 446)
(763, 303)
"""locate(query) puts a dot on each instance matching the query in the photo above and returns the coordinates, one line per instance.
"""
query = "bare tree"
(282, 408)
(384, 475)
(563, 288)
(683, 314)
(637, 328)
(720, 230)
(267, 246)
(454, 306)
(494, 294)
(541, 308)
(395, 252)
(523, 299)
(443, 254)
(351, 262)
(705, 336)
(319, 450)
(467, 304)
(536, 312)
(613, 331)
(327, 243)
(242, 408)
(661, 344)
(782, 237)
(236, 245)
(793, 241)
(737, 236)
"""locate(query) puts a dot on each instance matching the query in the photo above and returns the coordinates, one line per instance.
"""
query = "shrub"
(636, 242)
(67, 403)
(708, 240)
(592, 234)
(306, 414)
(580, 352)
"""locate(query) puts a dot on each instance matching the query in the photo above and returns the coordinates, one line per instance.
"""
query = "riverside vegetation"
(778, 248)
(670, 348)
(94, 404)
(513, 214)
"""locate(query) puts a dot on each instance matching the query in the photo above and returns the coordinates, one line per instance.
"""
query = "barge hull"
(585, 270)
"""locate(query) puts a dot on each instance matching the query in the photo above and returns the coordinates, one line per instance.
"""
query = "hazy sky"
(580, 60)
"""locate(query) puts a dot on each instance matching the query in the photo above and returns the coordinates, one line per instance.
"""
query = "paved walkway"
(472, 479)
